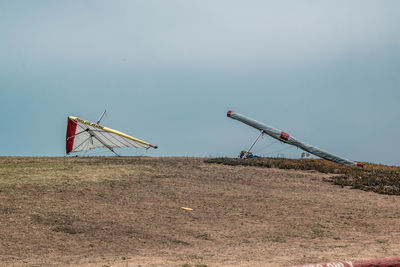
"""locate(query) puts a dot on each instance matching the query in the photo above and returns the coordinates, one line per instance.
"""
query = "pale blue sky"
(327, 72)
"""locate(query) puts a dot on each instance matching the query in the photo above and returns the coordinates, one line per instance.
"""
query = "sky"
(327, 72)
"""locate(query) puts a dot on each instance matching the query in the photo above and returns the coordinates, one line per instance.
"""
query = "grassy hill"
(372, 177)
(127, 211)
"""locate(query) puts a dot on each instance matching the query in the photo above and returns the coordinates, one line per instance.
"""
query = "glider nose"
(229, 113)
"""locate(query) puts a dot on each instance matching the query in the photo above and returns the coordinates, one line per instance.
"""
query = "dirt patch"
(127, 212)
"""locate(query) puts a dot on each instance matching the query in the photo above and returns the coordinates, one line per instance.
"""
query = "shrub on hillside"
(373, 177)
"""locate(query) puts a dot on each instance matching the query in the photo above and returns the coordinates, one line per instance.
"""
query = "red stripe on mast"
(285, 136)
(71, 129)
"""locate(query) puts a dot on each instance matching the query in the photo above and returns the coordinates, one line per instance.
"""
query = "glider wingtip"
(72, 118)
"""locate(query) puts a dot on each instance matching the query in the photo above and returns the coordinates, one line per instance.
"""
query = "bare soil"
(111, 211)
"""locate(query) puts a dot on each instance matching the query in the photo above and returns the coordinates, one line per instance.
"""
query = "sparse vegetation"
(65, 228)
(373, 177)
(118, 211)
(179, 242)
(317, 231)
(203, 236)
(278, 239)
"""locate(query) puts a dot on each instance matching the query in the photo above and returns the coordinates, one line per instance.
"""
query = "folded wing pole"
(286, 138)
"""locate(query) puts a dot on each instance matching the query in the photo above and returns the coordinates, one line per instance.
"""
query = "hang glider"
(286, 138)
(84, 135)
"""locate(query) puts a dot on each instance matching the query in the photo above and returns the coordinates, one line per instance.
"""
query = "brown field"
(372, 177)
(119, 211)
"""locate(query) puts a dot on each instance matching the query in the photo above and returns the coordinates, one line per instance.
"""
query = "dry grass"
(110, 211)
(373, 177)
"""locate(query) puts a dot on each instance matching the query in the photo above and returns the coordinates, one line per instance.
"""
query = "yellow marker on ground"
(184, 208)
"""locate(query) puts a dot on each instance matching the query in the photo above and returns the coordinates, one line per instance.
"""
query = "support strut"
(258, 137)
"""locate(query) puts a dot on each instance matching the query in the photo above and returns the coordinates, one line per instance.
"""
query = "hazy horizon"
(167, 72)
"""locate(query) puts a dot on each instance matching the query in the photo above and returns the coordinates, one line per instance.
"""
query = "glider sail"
(286, 138)
(83, 135)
